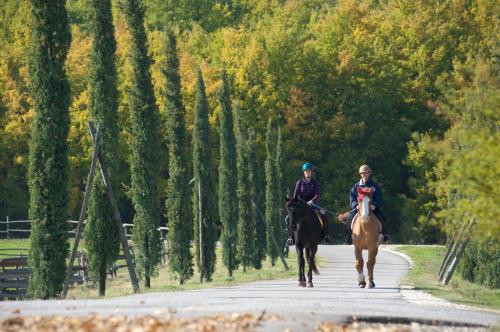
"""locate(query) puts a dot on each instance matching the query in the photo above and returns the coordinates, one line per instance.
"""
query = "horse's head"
(296, 209)
(364, 199)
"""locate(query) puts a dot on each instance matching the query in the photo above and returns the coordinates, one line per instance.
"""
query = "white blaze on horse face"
(365, 208)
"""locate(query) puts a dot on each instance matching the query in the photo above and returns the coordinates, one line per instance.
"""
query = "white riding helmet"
(365, 169)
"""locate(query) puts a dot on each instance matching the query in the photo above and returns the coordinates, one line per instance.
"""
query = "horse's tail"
(311, 261)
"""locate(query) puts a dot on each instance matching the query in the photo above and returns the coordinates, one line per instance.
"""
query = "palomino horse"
(307, 236)
(365, 235)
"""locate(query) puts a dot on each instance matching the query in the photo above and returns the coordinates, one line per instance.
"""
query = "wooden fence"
(10, 232)
(15, 273)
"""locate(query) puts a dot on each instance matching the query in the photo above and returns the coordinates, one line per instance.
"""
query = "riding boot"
(384, 231)
(326, 231)
(348, 232)
(383, 222)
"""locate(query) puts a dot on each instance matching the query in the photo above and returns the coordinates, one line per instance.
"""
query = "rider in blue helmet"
(308, 190)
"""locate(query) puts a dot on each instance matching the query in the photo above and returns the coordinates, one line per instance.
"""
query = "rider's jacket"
(376, 198)
(307, 190)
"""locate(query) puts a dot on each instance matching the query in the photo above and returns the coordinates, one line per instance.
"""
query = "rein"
(318, 207)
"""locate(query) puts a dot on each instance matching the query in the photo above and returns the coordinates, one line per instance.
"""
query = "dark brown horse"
(307, 234)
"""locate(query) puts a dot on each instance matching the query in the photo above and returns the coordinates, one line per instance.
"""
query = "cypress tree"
(101, 235)
(255, 184)
(246, 218)
(280, 165)
(144, 164)
(281, 189)
(228, 208)
(48, 168)
(178, 196)
(271, 189)
(202, 168)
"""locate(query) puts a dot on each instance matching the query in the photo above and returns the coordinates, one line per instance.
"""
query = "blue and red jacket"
(307, 190)
(377, 199)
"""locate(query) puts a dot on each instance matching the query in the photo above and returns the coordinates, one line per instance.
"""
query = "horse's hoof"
(362, 284)
(302, 284)
(310, 285)
(371, 284)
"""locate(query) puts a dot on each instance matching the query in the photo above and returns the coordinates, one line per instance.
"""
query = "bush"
(481, 263)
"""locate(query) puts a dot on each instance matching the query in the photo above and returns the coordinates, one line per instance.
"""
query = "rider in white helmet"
(377, 201)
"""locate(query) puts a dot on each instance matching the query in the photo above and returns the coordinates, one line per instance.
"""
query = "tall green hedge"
(481, 263)
(246, 213)
(228, 204)
(204, 179)
(48, 159)
(179, 195)
(272, 205)
(144, 145)
(101, 234)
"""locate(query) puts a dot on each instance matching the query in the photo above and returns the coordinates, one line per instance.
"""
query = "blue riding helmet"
(307, 166)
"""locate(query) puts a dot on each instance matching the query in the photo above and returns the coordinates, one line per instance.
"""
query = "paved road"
(335, 298)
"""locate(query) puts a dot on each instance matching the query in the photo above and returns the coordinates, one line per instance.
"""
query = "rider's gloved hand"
(310, 202)
(373, 207)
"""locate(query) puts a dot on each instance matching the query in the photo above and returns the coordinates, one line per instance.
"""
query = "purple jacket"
(307, 190)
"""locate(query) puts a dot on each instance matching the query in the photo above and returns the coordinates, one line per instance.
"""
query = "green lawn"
(9, 248)
(423, 276)
(165, 280)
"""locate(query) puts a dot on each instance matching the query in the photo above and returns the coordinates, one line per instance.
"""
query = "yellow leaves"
(77, 62)
(19, 160)
(345, 62)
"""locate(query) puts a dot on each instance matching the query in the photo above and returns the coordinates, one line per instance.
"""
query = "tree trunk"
(102, 277)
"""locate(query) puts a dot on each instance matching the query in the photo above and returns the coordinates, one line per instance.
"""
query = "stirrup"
(289, 242)
(380, 239)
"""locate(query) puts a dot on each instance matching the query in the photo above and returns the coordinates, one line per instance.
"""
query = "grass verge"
(423, 276)
(165, 280)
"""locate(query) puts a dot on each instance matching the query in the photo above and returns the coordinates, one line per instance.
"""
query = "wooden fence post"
(458, 255)
(116, 213)
(447, 259)
(83, 211)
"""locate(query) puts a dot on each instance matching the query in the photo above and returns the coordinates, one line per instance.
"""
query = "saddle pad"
(320, 219)
(355, 220)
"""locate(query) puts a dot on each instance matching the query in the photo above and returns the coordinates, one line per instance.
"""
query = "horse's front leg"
(372, 254)
(311, 254)
(359, 267)
(301, 262)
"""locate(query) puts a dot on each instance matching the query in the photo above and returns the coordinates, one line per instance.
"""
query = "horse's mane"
(290, 201)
